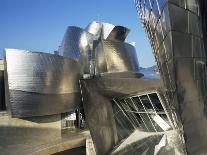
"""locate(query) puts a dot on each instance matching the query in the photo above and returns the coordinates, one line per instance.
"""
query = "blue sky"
(39, 25)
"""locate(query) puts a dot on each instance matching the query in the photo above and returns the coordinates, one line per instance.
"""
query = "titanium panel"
(203, 16)
(40, 83)
(182, 62)
(107, 28)
(94, 28)
(119, 33)
(177, 14)
(115, 56)
(77, 44)
(97, 101)
(107, 31)
(70, 43)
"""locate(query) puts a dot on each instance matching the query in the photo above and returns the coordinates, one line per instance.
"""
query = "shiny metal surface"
(94, 28)
(119, 33)
(115, 56)
(40, 83)
(70, 43)
(107, 31)
(144, 121)
(98, 94)
(177, 34)
(78, 44)
(107, 28)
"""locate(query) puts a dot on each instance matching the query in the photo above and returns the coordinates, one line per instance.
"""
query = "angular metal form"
(119, 33)
(115, 56)
(95, 28)
(98, 95)
(177, 34)
(107, 28)
(77, 44)
(70, 43)
(40, 84)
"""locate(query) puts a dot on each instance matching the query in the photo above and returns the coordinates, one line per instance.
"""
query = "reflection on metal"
(70, 44)
(34, 79)
(144, 111)
(115, 56)
(145, 114)
(68, 120)
(98, 94)
(77, 44)
(177, 34)
(118, 33)
(81, 45)
(107, 28)
(40, 84)
(94, 28)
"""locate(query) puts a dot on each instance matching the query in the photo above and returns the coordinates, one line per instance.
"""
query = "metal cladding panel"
(107, 28)
(98, 94)
(119, 33)
(40, 83)
(70, 44)
(77, 44)
(115, 56)
(107, 31)
(94, 28)
(86, 47)
(203, 11)
(181, 58)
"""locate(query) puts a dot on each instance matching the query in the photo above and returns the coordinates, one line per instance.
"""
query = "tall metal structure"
(93, 46)
(177, 34)
(39, 84)
(96, 70)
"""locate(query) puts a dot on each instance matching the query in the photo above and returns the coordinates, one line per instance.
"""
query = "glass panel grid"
(145, 112)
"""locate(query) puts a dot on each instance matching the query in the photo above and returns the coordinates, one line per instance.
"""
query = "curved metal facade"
(94, 28)
(81, 45)
(119, 33)
(70, 44)
(98, 95)
(77, 44)
(40, 83)
(176, 30)
(115, 56)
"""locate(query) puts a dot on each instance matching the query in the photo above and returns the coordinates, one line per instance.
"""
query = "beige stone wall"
(23, 135)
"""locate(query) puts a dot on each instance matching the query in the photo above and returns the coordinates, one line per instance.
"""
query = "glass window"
(148, 122)
(123, 125)
(138, 113)
(142, 124)
(145, 100)
(124, 105)
(138, 103)
(116, 109)
(156, 102)
(130, 104)
(160, 122)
